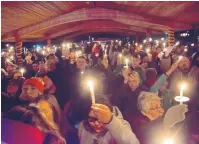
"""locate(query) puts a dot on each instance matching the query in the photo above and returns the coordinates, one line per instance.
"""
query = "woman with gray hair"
(151, 121)
(149, 105)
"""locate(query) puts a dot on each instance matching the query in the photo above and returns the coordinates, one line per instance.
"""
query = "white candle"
(180, 58)
(22, 71)
(105, 53)
(181, 91)
(90, 84)
(127, 62)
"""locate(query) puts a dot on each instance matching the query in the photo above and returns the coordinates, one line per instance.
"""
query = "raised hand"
(102, 113)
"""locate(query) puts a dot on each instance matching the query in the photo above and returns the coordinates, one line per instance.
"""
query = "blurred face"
(72, 55)
(10, 69)
(45, 107)
(96, 126)
(30, 92)
(145, 62)
(135, 62)
(51, 66)
(179, 50)
(184, 65)
(47, 83)
(81, 63)
(155, 110)
(35, 67)
(12, 88)
(133, 82)
(158, 50)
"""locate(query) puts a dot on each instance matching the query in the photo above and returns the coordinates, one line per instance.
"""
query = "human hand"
(125, 72)
(102, 113)
(174, 115)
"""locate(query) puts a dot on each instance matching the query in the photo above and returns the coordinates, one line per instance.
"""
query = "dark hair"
(81, 107)
(50, 55)
(41, 59)
(83, 57)
(137, 56)
(35, 62)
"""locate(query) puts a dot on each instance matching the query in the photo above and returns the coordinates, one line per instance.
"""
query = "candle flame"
(183, 86)
(168, 141)
(90, 83)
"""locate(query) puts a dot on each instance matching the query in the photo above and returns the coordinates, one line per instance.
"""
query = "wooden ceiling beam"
(100, 14)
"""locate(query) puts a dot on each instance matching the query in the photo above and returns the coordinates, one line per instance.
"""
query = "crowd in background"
(134, 87)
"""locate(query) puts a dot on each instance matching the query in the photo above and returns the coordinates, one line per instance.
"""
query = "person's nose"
(97, 123)
(28, 91)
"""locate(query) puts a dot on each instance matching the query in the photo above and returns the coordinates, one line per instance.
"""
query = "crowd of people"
(134, 87)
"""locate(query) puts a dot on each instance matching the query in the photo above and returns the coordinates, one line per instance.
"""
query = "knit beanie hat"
(37, 82)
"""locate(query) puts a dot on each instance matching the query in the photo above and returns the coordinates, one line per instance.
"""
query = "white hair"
(145, 99)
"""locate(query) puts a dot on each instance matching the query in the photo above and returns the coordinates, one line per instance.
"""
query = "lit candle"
(126, 63)
(90, 84)
(7, 60)
(177, 43)
(168, 141)
(162, 39)
(43, 52)
(147, 50)
(164, 44)
(68, 45)
(180, 58)
(182, 98)
(22, 70)
(105, 53)
(12, 57)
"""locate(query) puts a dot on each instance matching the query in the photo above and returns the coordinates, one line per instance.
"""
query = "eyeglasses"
(92, 119)
(156, 108)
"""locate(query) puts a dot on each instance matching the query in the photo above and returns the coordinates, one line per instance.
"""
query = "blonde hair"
(136, 75)
(145, 99)
(33, 116)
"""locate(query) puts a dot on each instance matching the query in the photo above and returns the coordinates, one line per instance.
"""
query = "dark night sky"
(192, 38)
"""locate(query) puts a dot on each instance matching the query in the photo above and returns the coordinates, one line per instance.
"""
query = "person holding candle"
(125, 97)
(151, 120)
(135, 66)
(10, 74)
(105, 125)
(11, 97)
